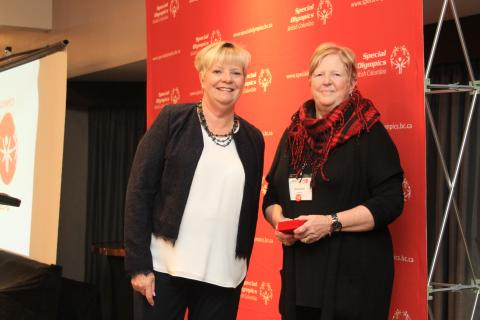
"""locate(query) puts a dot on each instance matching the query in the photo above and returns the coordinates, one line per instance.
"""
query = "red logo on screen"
(324, 10)
(8, 148)
(400, 58)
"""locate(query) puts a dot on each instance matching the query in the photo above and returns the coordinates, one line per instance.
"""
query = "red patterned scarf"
(312, 139)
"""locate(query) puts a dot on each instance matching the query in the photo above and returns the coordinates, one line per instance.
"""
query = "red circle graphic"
(8, 148)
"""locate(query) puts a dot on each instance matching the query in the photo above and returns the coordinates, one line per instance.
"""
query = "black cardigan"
(161, 176)
(350, 274)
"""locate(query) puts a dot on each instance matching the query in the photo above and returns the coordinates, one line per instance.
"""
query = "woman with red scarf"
(337, 170)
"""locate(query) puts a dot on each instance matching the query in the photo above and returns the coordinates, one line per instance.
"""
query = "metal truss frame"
(473, 88)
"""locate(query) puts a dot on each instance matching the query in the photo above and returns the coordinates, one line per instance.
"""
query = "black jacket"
(161, 176)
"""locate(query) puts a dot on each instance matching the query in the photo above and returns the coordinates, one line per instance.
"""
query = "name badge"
(300, 189)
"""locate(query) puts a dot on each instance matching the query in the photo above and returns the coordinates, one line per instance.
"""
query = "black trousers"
(174, 295)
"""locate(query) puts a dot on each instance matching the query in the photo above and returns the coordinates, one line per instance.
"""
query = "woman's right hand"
(145, 285)
(274, 214)
(287, 239)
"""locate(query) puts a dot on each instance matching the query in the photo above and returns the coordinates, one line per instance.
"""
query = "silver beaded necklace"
(222, 140)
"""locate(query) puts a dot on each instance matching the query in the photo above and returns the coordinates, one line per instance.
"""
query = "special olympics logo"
(216, 36)
(8, 148)
(174, 7)
(407, 190)
(400, 58)
(175, 95)
(266, 292)
(265, 79)
(324, 10)
(401, 315)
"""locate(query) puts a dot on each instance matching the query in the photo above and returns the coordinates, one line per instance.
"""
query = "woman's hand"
(274, 214)
(286, 239)
(315, 228)
(145, 285)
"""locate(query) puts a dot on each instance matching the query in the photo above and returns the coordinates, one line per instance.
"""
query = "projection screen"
(32, 120)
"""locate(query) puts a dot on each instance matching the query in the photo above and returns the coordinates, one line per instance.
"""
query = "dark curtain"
(450, 113)
(116, 120)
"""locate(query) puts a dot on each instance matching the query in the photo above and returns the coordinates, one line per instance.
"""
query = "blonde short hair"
(345, 54)
(221, 51)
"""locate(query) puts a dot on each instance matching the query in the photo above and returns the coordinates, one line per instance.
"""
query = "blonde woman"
(192, 198)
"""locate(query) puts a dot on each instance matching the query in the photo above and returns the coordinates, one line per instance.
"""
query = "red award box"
(288, 226)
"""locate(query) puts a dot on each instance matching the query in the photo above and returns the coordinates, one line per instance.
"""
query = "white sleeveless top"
(205, 247)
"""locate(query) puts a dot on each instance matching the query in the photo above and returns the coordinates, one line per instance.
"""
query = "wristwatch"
(336, 224)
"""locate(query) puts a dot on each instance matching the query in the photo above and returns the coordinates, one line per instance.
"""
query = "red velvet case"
(289, 225)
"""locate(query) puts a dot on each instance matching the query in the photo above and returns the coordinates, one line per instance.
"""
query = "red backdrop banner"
(387, 37)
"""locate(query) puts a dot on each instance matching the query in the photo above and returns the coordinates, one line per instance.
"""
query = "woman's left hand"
(315, 228)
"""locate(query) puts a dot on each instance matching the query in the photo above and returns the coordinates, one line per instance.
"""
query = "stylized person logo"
(174, 7)
(407, 190)
(216, 36)
(400, 58)
(265, 79)
(324, 10)
(401, 315)
(266, 292)
(8, 148)
(175, 95)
